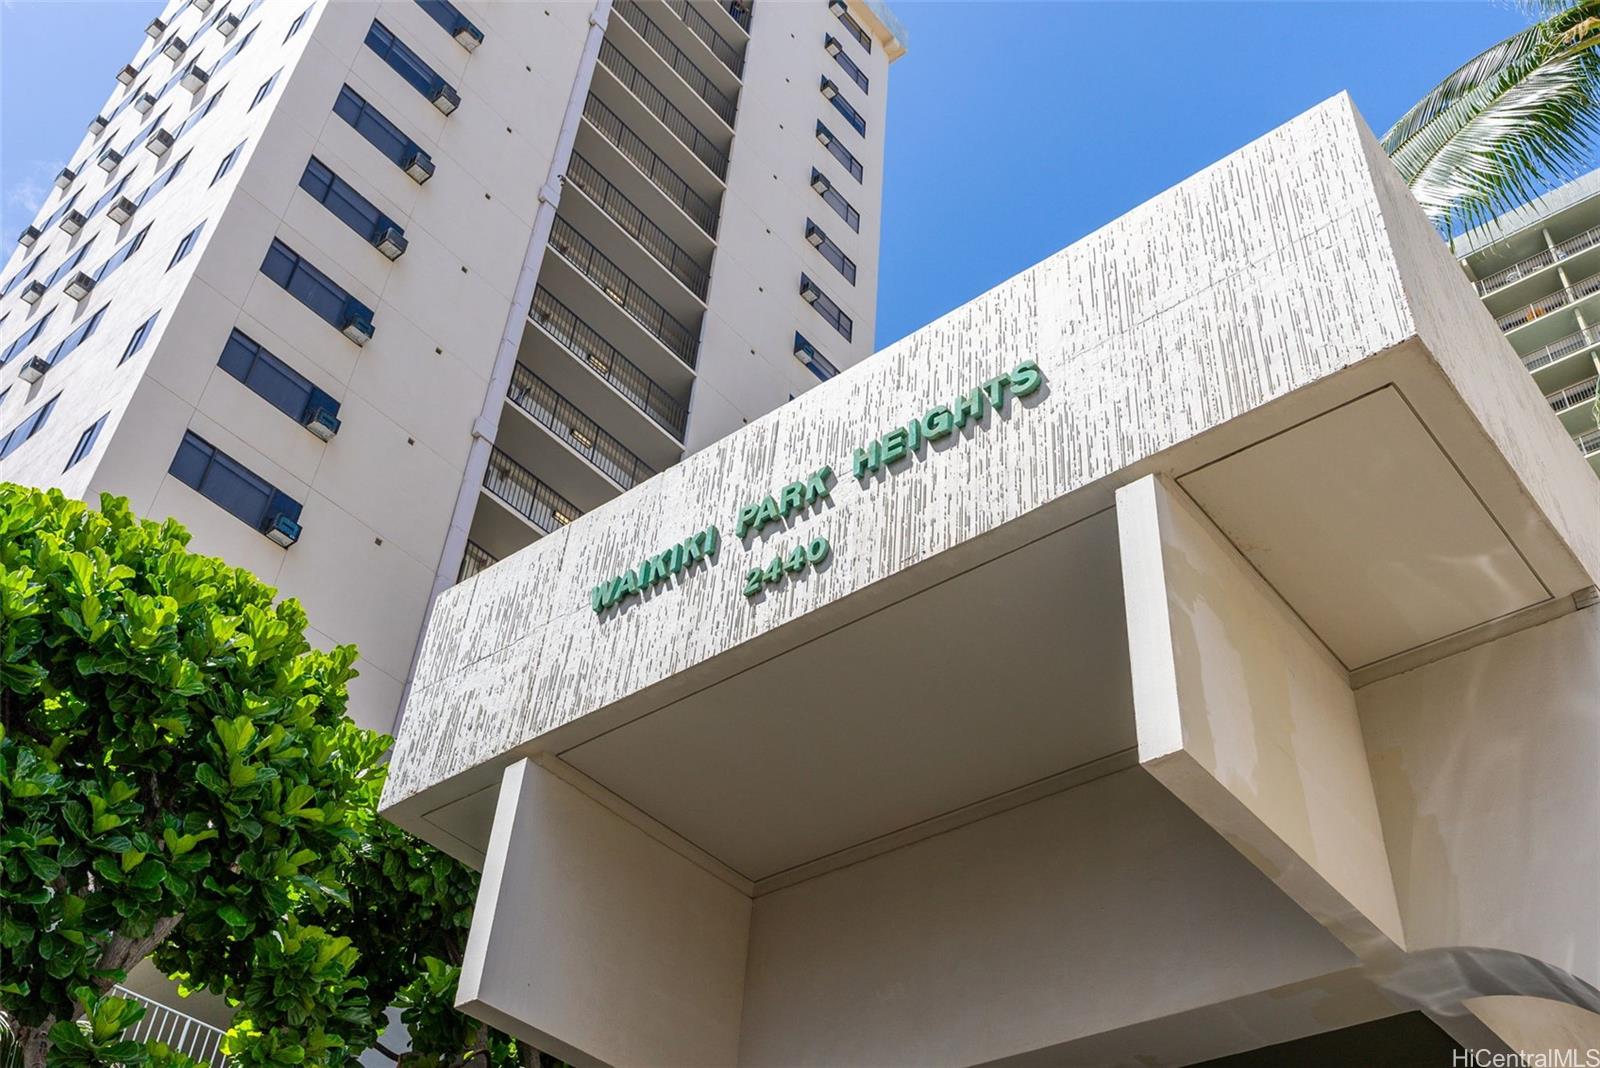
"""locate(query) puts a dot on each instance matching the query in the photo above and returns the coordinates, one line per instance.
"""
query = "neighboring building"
(1186, 649)
(368, 294)
(1538, 272)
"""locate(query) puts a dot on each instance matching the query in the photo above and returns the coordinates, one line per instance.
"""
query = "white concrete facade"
(1232, 686)
(597, 119)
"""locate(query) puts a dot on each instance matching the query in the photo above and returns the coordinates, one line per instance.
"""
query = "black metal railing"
(654, 36)
(473, 560)
(622, 211)
(628, 294)
(524, 494)
(662, 176)
(601, 357)
(658, 105)
(586, 437)
(732, 56)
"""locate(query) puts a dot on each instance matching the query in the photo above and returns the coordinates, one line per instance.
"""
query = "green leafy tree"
(178, 776)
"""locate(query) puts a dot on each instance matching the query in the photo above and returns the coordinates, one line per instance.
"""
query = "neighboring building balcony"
(622, 291)
(184, 1033)
(633, 222)
(1578, 393)
(1527, 268)
(603, 360)
(705, 92)
(730, 55)
(1539, 309)
(1561, 351)
(739, 12)
(473, 560)
(1589, 445)
(562, 419)
(649, 99)
(519, 490)
(631, 147)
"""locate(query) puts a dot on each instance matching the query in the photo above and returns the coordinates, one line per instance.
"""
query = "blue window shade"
(69, 264)
(305, 283)
(808, 354)
(109, 195)
(227, 162)
(838, 151)
(185, 245)
(85, 442)
(119, 257)
(384, 135)
(447, 15)
(856, 120)
(140, 335)
(266, 88)
(294, 27)
(341, 198)
(31, 424)
(857, 75)
(23, 274)
(274, 381)
(402, 60)
(67, 345)
(164, 180)
(24, 339)
(227, 483)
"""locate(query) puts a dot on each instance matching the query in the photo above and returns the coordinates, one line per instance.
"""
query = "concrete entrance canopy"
(1232, 686)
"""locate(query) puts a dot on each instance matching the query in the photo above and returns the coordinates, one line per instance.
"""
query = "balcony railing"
(473, 560)
(663, 177)
(1583, 287)
(1561, 349)
(1573, 395)
(654, 36)
(1589, 444)
(1539, 261)
(184, 1033)
(740, 11)
(658, 105)
(640, 306)
(584, 342)
(526, 495)
(622, 211)
(586, 437)
(731, 56)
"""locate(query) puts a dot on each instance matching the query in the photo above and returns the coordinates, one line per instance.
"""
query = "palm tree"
(1510, 123)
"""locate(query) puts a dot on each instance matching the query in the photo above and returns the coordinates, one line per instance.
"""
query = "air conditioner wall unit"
(33, 292)
(34, 369)
(80, 285)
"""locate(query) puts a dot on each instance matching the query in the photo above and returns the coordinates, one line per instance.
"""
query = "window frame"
(842, 155)
(85, 443)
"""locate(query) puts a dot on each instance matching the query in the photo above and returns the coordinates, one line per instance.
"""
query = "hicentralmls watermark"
(1550, 1058)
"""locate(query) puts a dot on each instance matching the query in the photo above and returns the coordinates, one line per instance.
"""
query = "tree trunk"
(34, 1044)
(122, 952)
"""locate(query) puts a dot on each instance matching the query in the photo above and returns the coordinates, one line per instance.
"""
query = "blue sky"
(1014, 128)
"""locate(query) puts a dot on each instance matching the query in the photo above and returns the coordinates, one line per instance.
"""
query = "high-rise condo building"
(369, 294)
(1538, 272)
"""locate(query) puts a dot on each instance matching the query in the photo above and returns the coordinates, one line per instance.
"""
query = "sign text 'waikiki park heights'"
(882, 453)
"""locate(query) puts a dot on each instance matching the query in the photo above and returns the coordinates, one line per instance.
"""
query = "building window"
(236, 49)
(856, 74)
(830, 251)
(68, 344)
(830, 195)
(185, 245)
(341, 198)
(271, 379)
(863, 38)
(25, 271)
(839, 152)
(402, 60)
(119, 257)
(211, 102)
(64, 207)
(144, 135)
(824, 306)
(163, 180)
(294, 28)
(136, 342)
(69, 264)
(382, 134)
(305, 283)
(229, 484)
(30, 425)
(85, 442)
(807, 354)
(24, 339)
(856, 120)
(450, 17)
(266, 88)
(227, 162)
(109, 195)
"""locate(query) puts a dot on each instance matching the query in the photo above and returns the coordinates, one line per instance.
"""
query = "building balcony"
(1589, 445)
(726, 52)
(1539, 261)
(473, 560)
(184, 1033)
(735, 13)
(1561, 362)
(637, 225)
(1538, 310)
(584, 257)
(707, 95)
(649, 99)
(559, 417)
(621, 140)
(526, 509)
(1575, 405)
